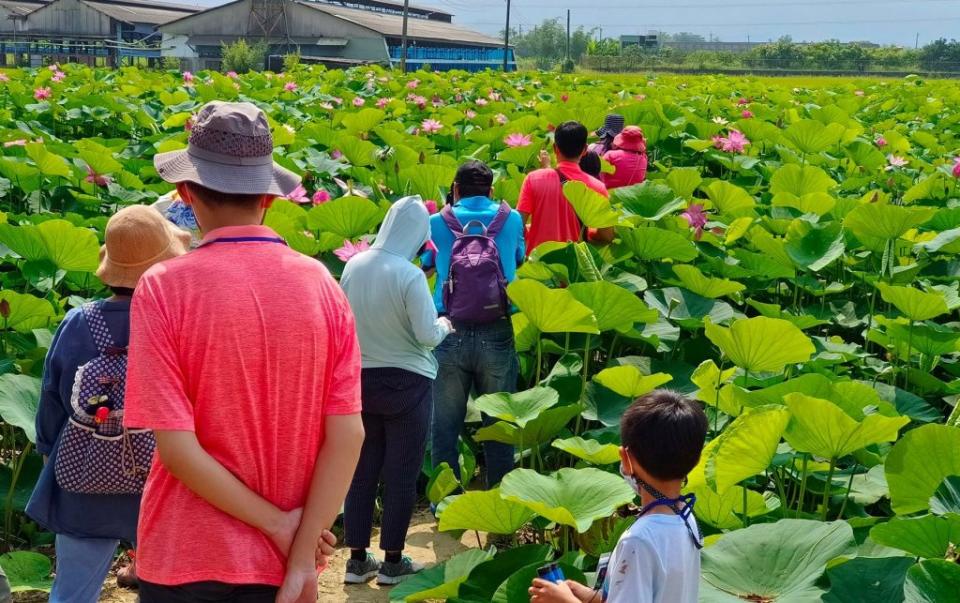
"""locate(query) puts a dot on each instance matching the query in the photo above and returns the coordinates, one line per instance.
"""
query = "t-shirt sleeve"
(52, 413)
(527, 199)
(343, 385)
(633, 572)
(156, 396)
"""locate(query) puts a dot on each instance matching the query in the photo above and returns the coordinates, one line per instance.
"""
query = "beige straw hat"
(230, 150)
(136, 238)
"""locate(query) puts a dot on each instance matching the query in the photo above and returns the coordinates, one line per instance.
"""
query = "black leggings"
(207, 592)
(397, 405)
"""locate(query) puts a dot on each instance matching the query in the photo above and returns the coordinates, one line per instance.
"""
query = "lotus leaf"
(779, 562)
(484, 511)
(918, 464)
(761, 344)
(913, 303)
(590, 451)
(519, 408)
(822, 428)
(614, 307)
(441, 581)
(592, 208)
(27, 571)
(929, 536)
(573, 497)
(551, 310)
(932, 581)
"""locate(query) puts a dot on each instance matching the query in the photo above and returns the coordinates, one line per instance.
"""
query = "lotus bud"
(423, 157)
(4, 309)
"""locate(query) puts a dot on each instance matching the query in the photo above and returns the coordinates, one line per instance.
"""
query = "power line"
(593, 6)
(753, 23)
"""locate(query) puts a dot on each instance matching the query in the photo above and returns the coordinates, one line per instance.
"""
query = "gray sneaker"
(395, 573)
(359, 572)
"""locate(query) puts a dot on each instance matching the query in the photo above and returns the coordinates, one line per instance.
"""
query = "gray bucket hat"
(230, 150)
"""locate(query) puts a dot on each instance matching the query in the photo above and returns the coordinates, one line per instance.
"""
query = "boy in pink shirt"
(244, 361)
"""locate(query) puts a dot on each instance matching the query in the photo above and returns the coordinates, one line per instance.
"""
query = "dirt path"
(424, 544)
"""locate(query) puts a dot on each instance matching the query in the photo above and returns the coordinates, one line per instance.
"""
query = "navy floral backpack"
(96, 454)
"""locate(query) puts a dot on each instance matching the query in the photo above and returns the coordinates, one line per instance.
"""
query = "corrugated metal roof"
(417, 29)
(390, 3)
(153, 14)
(18, 8)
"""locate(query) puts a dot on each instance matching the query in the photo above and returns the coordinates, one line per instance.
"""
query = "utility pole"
(506, 40)
(403, 37)
(568, 34)
(917, 43)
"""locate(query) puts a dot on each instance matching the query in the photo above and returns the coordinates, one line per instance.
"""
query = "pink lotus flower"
(640, 97)
(335, 154)
(358, 101)
(188, 125)
(321, 196)
(431, 206)
(746, 114)
(956, 167)
(742, 102)
(41, 94)
(187, 77)
(54, 67)
(298, 195)
(337, 100)
(734, 142)
(20, 142)
(4, 77)
(326, 106)
(565, 97)
(880, 141)
(895, 161)
(501, 119)
(518, 140)
(858, 92)
(458, 97)
(431, 126)
(59, 76)
(351, 249)
(494, 96)
(481, 102)
(418, 100)
(412, 84)
(232, 75)
(696, 219)
(720, 120)
(98, 179)
(382, 103)
(437, 102)
(290, 86)
(470, 113)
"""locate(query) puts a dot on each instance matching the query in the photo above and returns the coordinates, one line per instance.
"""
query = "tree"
(242, 57)
(941, 55)
(683, 37)
(547, 42)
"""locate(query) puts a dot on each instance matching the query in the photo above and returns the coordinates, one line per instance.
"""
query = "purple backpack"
(475, 291)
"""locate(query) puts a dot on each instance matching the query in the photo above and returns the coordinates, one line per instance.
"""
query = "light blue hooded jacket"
(396, 318)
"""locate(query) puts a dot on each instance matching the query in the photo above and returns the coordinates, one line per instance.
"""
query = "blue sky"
(884, 21)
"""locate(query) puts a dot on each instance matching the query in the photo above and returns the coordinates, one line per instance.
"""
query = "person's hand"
(582, 592)
(544, 158)
(543, 591)
(285, 530)
(447, 324)
(326, 547)
(299, 586)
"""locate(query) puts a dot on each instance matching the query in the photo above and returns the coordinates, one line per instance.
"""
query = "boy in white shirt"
(658, 559)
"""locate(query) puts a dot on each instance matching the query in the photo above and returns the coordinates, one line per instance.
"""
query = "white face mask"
(630, 479)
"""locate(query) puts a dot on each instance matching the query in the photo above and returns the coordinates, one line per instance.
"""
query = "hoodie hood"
(405, 229)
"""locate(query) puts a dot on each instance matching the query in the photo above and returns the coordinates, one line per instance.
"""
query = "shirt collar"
(239, 231)
(477, 203)
(569, 166)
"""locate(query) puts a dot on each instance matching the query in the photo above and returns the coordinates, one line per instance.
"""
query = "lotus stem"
(954, 419)
(846, 497)
(746, 518)
(826, 489)
(539, 360)
(906, 374)
(780, 489)
(17, 469)
(803, 484)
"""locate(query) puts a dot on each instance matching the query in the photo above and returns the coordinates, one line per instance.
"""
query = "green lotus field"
(791, 262)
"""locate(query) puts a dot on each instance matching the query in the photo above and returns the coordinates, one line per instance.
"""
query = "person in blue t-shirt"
(475, 358)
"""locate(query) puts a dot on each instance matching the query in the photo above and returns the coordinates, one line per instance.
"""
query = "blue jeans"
(82, 566)
(480, 359)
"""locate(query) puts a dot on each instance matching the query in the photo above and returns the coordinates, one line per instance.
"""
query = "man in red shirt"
(244, 361)
(542, 203)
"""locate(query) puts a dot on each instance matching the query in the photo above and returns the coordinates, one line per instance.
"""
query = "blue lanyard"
(244, 240)
(684, 513)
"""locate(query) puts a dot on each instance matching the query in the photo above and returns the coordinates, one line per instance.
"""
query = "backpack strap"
(98, 328)
(499, 220)
(451, 221)
(562, 177)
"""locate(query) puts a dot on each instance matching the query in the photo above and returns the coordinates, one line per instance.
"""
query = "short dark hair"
(212, 197)
(590, 163)
(122, 291)
(665, 432)
(474, 179)
(571, 139)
